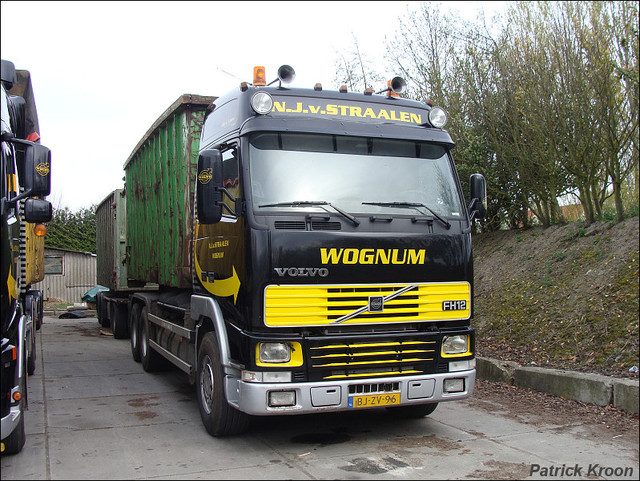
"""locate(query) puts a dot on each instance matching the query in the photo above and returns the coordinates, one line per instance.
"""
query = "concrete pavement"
(95, 414)
(584, 387)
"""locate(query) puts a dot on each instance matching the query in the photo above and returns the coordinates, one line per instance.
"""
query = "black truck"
(311, 253)
(26, 174)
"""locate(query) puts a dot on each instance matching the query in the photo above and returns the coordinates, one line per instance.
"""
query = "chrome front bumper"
(11, 420)
(253, 398)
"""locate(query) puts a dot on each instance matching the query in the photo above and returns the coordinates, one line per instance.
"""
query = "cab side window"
(230, 177)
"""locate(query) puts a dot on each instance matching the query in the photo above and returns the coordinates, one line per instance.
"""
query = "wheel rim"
(207, 384)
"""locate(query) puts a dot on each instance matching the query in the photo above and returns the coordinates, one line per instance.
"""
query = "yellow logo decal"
(42, 168)
(205, 176)
(372, 256)
(374, 112)
(219, 287)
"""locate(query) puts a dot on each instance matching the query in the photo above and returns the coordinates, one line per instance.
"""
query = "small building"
(67, 274)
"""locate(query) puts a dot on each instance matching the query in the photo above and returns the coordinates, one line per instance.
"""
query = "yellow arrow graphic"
(221, 287)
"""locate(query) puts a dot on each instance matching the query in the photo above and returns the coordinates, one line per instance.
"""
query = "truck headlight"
(274, 352)
(438, 117)
(455, 345)
(262, 103)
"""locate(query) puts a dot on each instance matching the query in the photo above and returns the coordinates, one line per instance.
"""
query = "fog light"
(453, 385)
(282, 398)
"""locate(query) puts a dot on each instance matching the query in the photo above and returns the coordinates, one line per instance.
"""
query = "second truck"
(25, 181)
(295, 251)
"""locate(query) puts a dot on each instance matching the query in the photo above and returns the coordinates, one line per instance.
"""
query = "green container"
(111, 269)
(159, 182)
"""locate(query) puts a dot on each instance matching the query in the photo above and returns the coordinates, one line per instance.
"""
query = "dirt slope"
(563, 297)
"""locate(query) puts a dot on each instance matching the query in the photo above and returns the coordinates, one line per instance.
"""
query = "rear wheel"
(118, 322)
(412, 412)
(150, 359)
(134, 331)
(102, 307)
(218, 416)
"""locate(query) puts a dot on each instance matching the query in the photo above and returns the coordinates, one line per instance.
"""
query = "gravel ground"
(533, 407)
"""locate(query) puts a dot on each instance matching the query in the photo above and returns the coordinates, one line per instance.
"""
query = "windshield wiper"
(303, 203)
(410, 205)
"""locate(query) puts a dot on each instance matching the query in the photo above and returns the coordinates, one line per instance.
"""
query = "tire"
(412, 412)
(99, 313)
(101, 310)
(134, 331)
(218, 416)
(39, 312)
(118, 322)
(31, 360)
(150, 359)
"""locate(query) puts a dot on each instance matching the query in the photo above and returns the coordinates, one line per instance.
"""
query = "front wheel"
(412, 412)
(218, 416)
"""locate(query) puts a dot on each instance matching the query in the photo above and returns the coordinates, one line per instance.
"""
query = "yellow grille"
(372, 359)
(322, 305)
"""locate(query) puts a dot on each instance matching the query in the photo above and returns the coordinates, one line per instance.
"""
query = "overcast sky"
(102, 72)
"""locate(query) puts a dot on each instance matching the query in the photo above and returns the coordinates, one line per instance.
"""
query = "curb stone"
(584, 387)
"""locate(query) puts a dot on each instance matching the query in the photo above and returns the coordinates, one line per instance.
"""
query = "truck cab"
(295, 251)
(333, 250)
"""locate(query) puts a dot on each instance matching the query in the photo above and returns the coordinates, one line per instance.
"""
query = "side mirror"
(37, 211)
(208, 187)
(37, 170)
(478, 206)
(8, 73)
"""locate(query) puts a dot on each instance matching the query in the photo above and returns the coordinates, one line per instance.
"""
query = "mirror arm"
(472, 208)
(231, 198)
(20, 197)
(10, 137)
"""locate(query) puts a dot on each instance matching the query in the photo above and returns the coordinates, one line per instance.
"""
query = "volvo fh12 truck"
(25, 178)
(295, 251)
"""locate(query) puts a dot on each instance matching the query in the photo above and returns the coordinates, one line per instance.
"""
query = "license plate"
(373, 400)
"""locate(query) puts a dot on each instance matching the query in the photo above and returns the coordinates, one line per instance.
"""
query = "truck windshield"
(360, 175)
